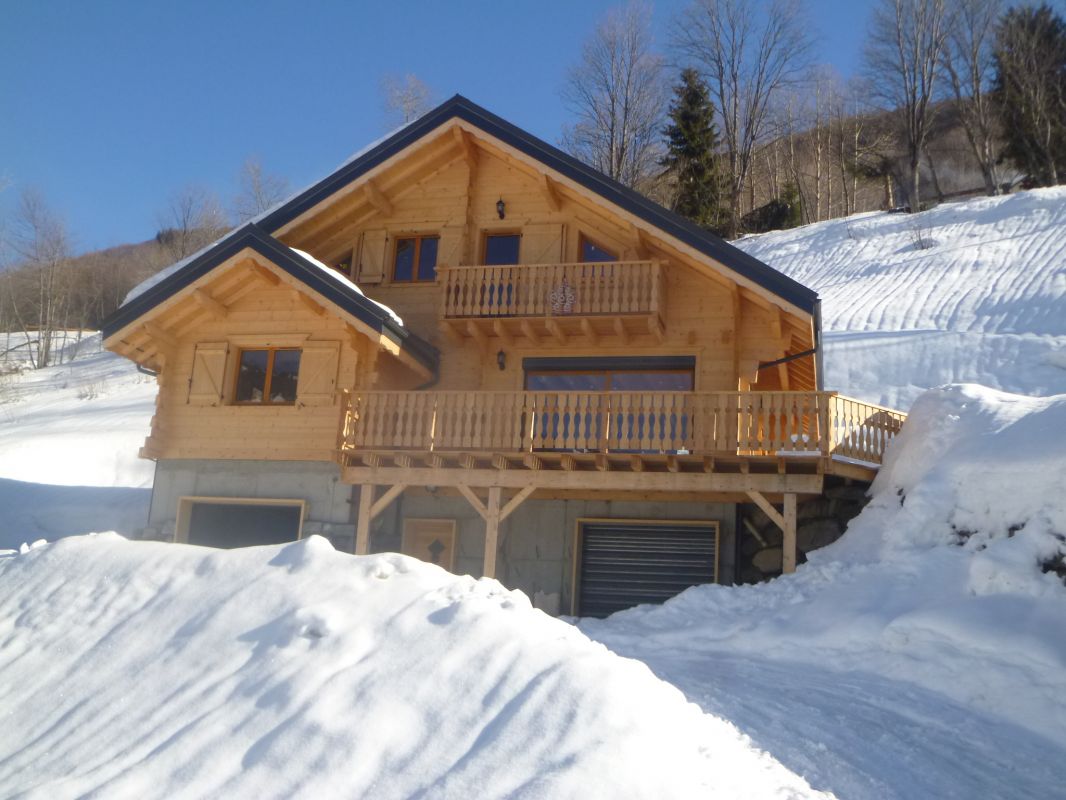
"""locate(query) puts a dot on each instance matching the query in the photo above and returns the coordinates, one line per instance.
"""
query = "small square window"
(267, 376)
(502, 249)
(416, 259)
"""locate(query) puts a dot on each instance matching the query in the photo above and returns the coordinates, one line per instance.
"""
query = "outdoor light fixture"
(501, 360)
(501, 208)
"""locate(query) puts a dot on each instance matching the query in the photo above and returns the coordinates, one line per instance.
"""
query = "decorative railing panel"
(747, 423)
(547, 290)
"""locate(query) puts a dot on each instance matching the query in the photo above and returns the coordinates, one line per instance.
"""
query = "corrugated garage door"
(624, 563)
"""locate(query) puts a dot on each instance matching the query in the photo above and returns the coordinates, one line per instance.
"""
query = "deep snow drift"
(924, 653)
(140, 670)
(970, 292)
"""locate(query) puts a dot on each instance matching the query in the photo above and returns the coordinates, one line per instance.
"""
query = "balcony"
(554, 301)
(614, 431)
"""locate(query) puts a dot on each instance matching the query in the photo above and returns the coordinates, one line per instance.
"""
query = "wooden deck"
(554, 301)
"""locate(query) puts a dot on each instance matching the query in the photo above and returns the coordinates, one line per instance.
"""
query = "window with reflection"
(416, 259)
(267, 376)
(590, 251)
(502, 248)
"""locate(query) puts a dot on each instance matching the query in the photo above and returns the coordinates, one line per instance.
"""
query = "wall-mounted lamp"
(501, 208)
(501, 360)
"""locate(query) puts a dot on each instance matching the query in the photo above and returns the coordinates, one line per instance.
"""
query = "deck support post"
(492, 531)
(362, 525)
(788, 542)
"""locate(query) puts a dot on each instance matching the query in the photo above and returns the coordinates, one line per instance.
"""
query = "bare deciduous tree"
(192, 219)
(259, 191)
(903, 53)
(969, 64)
(749, 52)
(617, 94)
(404, 99)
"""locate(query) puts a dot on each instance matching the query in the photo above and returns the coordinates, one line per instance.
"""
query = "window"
(267, 376)
(502, 248)
(416, 259)
(590, 251)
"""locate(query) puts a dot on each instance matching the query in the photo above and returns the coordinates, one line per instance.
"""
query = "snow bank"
(985, 303)
(938, 583)
(139, 669)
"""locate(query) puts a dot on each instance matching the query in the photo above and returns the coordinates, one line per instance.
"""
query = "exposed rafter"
(377, 198)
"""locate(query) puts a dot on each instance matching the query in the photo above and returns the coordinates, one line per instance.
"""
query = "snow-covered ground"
(923, 655)
(144, 670)
(984, 301)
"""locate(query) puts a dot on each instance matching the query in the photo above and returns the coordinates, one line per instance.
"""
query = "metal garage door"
(624, 563)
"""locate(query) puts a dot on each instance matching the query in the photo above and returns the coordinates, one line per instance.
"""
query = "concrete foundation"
(536, 546)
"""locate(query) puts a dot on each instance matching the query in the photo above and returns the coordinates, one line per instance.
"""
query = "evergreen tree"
(692, 142)
(1030, 88)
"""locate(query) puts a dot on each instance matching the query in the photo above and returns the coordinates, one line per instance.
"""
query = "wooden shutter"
(543, 244)
(372, 257)
(208, 374)
(318, 374)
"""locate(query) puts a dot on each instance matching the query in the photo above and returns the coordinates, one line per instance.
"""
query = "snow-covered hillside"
(983, 302)
(144, 670)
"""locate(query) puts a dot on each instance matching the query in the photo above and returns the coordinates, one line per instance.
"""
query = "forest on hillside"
(734, 125)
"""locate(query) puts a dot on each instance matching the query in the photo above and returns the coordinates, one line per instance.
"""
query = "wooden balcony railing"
(697, 423)
(545, 290)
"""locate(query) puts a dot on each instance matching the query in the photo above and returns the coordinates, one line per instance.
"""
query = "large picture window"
(267, 376)
(416, 259)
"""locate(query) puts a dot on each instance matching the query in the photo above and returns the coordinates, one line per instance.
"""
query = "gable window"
(416, 259)
(267, 376)
(592, 252)
(502, 248)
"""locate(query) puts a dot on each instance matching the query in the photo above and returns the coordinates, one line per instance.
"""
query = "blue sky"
(109, 107)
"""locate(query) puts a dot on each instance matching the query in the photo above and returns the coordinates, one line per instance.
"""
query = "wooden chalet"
(470, 347)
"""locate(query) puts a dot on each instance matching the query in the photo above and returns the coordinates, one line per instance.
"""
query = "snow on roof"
(148, 669)
(342, 278)
(166, 272)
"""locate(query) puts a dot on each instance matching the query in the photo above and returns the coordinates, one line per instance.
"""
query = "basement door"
(228, 525)
(624, 563)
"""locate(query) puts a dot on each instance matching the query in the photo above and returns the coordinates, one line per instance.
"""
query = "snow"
(986, 303)
(343, 279)
(930, 618)
(140, 669)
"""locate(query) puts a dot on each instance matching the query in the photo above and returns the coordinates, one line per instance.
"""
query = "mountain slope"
(966, 292)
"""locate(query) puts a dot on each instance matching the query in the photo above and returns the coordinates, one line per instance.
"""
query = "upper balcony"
(554, 301)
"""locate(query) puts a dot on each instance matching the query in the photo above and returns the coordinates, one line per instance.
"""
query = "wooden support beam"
(210, 304)
(708, 463)
(468, 461)
(656, 329)
(529, 333)
(372, 459)
(620, 330)
(636, 463)
(163, 337)
(672, 464)
(500, 329)
(556, 330)
(532, 461)
(450, 333)
(468, 148)
(551, 194)
(362, 525)
(382, 502)
(500, 461)
(473, 499)
(516, 501)
(435, 461)
(377, 198)
(568, 462)
(602, 463)
(788, 545)
(477, 334)
(311, 305)
(768, 509)
(403, 460)
(262, 272)
(492, 531)
(589, 331)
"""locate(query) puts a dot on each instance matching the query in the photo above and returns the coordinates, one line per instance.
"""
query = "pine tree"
(692, 142)
(1030, 89)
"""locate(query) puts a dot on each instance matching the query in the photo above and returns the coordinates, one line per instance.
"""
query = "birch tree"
(259, 191)
(617, 95)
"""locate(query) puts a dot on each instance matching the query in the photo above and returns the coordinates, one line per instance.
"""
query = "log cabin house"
(467, 346)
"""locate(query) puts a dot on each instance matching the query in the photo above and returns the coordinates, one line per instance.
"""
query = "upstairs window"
(502, 248)
(267, 376)
(416, 259)
(592, 252)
